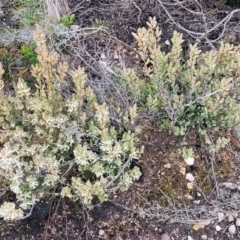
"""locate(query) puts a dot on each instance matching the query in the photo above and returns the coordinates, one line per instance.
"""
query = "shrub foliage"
(53, 137)
(192, 89)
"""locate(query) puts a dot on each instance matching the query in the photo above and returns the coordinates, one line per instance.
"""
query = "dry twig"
(207, 31)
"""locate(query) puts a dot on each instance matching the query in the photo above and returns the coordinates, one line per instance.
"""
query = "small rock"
(220, 216)
(238, 222)
(196, 202)
(115, 56)
(230, 217)
(103, 56)
(218, 228)
(232, 229)
(101, 232)
(189, 161)
(204, 236)
(167, 42)
(188, 196)
(165, 237)
(74, 27)
(167, 165)
(189, 238)
(190, 177)
(235, 214)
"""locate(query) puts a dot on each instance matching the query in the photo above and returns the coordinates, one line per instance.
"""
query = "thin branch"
(200, 35)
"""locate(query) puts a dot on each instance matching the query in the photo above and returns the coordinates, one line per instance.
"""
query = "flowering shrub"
(52, 136)
(191, 89)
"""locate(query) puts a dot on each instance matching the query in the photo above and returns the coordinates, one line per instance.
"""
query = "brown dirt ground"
(162, 181)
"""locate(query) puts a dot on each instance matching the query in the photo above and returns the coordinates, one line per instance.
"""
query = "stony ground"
(161, 205)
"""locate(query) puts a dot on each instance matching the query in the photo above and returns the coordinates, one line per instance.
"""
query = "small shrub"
(96, 23)
(29, 53)
(67, 20)
(29, 12)
(45, 138)
(191, 90)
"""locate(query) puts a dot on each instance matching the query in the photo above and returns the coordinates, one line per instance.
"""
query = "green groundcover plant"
(53, 137)
(186, 89)
(29, 12)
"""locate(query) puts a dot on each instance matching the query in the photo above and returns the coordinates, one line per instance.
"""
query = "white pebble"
(220, 216)
(190, 177)
(167, 165)
(74, 27)
(232, 229)
(204, 237)
(238, 222)
(101, 232)
(230, 217)
(235, 214)
(189, 161)
(115, 55)
(218, 228)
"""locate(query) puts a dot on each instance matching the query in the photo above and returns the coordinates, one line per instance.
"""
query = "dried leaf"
(189, 185)
(183, 170)
(197, 226)
(201, 224)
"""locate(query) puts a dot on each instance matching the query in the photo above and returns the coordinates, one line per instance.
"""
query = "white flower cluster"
(8, 211)
(106, 145)
(72, 106)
